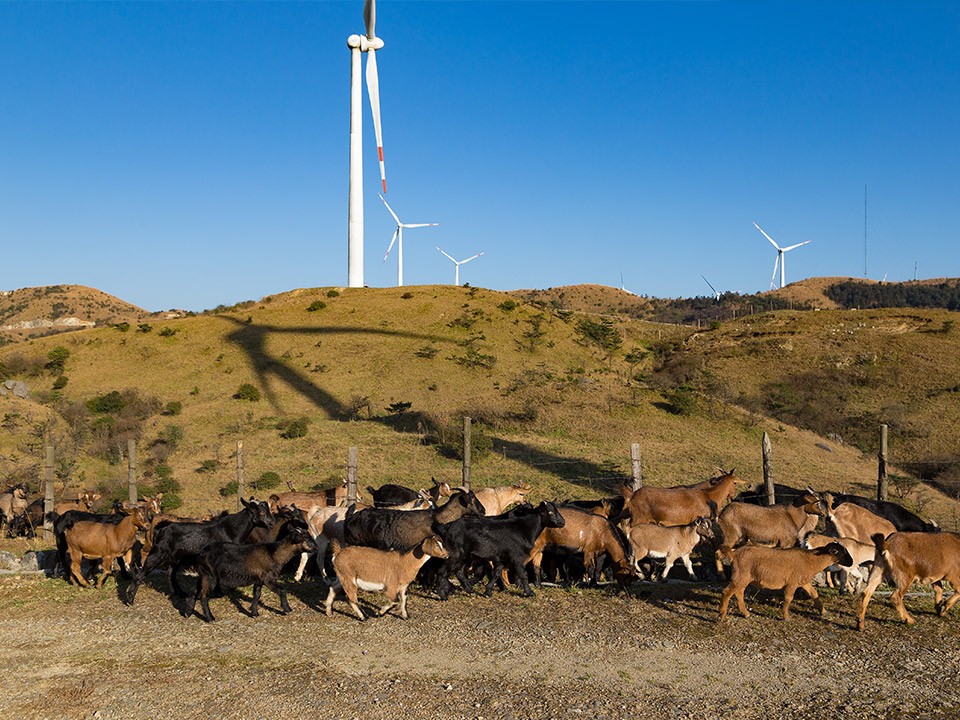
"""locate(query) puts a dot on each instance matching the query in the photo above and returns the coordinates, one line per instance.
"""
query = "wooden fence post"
(635, 466)
(882, 465)
(768, 469)
(466, 453)
(132, 471)
(48, 465)
(351, 475)
(241, 490)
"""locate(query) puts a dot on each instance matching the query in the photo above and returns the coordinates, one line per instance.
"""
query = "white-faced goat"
(672, 543)
(226, 566)
(852, 577)
(367, 568)
(775, 569)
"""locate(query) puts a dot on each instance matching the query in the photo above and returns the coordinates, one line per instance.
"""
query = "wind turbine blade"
(445, 255)
(391, 210)
(797, 245)
(766, 236)
(370, 18)
(390, 247)
(776, 264)
(410, 225)
(471, 258)
(373, 89)
(708, 283)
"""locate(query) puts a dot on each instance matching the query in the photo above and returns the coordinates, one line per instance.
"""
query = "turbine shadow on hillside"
(252, 339)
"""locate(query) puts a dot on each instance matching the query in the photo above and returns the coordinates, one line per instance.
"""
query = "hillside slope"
(555, 398)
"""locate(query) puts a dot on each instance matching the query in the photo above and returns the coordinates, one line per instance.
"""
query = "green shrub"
(293, 428)
(57, 360)
(167, 332)
(60, 382)
(231, 488)
(508, 305)
(333, 293)
(174, 407)
(112, 402)
(208, 466)
(266, 481)
(144, 328)
(316, 305)
(122, 326)
(681, 400)
(427, 351)
(247, 392)
(602, 333)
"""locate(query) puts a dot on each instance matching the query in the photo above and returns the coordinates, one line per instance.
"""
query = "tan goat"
(85, 501)
(914, 557)
(851, 577)
(777, 568)
(673, 543)
(366, 568)
(496, 500)
(856, 522)
(13, 502)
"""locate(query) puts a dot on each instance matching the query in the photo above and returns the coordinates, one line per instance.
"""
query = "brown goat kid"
(367, 568)
(680, 506)
(101, 541)
(85, 501)
(856, 522)
(914, 557)
(672, 543)
(775, 569)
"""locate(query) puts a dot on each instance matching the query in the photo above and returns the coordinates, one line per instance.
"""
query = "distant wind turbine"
(715, 291)
(398, 238)
(623, 287)
(458, 263)
(781, 260)
(369, 44)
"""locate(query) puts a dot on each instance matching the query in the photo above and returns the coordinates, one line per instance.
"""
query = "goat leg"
(257, 587)
(205, 597)
(280, 593)
(521, 572)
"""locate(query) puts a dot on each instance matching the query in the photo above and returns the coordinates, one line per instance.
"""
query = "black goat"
(402, 529)
(902, 519)
(177, 545)
(226, 566)
(504, 542)
(390, 495)
(26, 523)
(782, 495)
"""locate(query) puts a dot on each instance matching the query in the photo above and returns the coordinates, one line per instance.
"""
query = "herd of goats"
(495, 536)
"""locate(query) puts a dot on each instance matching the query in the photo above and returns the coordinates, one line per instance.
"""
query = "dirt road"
(71, 653)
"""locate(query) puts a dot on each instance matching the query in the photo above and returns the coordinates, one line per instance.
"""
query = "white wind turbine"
(781, 260)
(358, 44)
(458, 263)
(398, 238)
(715, 291)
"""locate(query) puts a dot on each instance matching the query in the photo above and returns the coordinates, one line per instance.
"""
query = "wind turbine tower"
(360, 44)
(458, 263)
(781, 260)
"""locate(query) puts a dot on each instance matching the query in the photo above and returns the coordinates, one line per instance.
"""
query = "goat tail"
(51, 516)
(335, 547)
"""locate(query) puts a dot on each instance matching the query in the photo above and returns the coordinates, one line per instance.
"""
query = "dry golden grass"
(561, 414)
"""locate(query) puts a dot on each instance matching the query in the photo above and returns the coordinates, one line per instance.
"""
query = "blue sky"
(195, 154)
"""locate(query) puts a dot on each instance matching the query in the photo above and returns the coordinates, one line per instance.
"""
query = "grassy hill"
(39, 311)
(557, 395)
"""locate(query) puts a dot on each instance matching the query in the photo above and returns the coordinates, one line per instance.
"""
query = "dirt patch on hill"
(658, 653)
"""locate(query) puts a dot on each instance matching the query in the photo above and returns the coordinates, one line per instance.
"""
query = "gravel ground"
(657, 653)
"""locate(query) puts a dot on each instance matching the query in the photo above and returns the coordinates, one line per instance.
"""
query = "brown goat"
(680, 506)
(308, 501)
(367, 568)
(914, 557)
(85, 501)
(777, 568)
(852, 577)
(101, 541)
(496, 500)
(584, 532)
(779, 526)
(856, 522)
